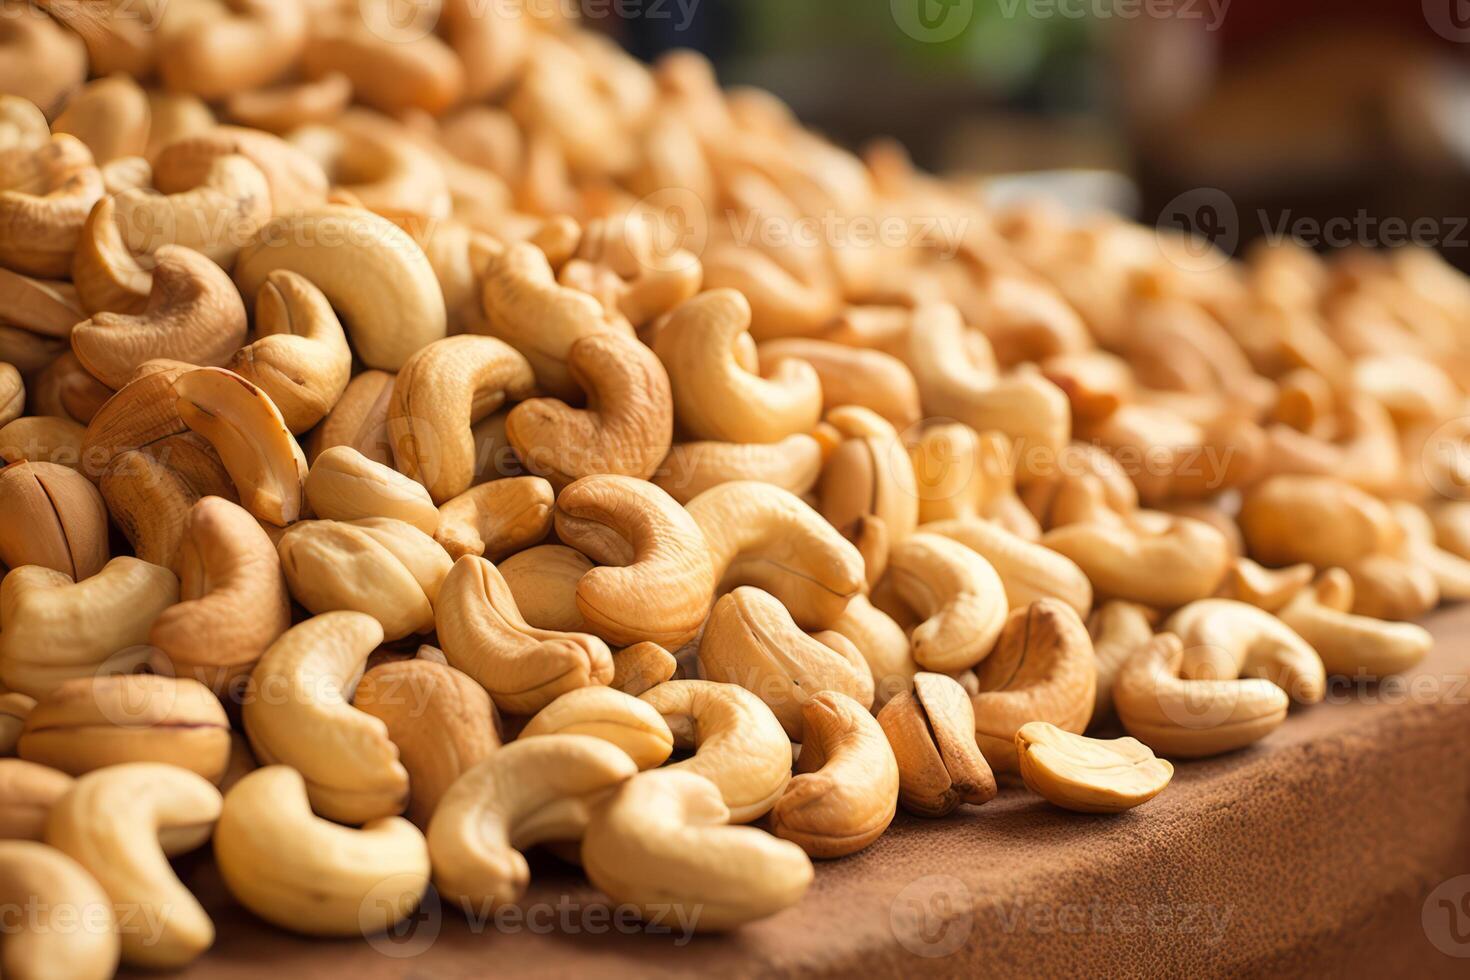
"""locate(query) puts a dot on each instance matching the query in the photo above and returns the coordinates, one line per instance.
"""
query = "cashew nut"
(27, 793)
(45, 881)
(1319, 520)
(1164, 563)
(53, 517)
(496, 519)
(853, 376)
(45, 194)
(543, 580)
(359, 419)
(960, 473)
(1089, 775)
(1118, 630)
(344, 485)
(1224, 640)
(1351, 644)
(931, 730)
(641, 667)
(611, 715)
(883, 643)
(955, 593)
(1028, 571)
(691, 468)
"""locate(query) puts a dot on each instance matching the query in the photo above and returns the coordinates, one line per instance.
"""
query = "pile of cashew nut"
(410, 461)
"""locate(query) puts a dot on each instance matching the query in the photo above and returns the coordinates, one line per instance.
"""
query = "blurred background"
(1338, 122)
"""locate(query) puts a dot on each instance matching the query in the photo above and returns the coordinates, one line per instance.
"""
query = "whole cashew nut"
(1118, 630)
(1350, 644)
(344, 485)
(955, 593)
(54, 517)
(1165, 563)
(611, 715)
(1319, 520)
(1224, 640)
(45, 195)
(497, 519)
(883, 643)
(27, 793)
(1028, 571)
(691, 468)
(34, 876)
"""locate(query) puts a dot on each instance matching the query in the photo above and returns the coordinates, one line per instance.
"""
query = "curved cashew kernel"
(193, 314)
(662, 590)
(1450, 521)
(957, 595)
(12, 393)
(43, 880)
(641, 667)
(1089, 775)
(27, 793)
(233, 598)
(441, 720)
(865, 478)
(1167, 567)
(853, 376)
(108, 276)
(718, 398)
(763, 536)
(661, 842)
(529, 792)
(1042, 669)
(527, 309)
(883, 643)
(691, 468)
(54, 517)
(543, 580)
(496, 519)
(43, 62)
(1192, 718)
(380, 566)
(173, 116)
(371, 271)
(845, 793)
(283, 108)
(40, 306)
(244, 426)
(751, 640)
(1118, 631)
(1268, 588)
(110, 115)
(359, 419)
(1224, 640)
(110, 823)
(55, 629)
(739, 745)
(1028, 571)
(91, 722)
(64, 389)
(297, 712)
(217, 216)
(42, 439)
(963, 473)
(381, 166)
(931, 730)
(305, 874)
(22, 122)
(628, 424)
(443, 390)
(248, 44)
(1350, 644)
(1386, 587)
(300, 357)
(45, 194)
(344, 485)
(1319, 520)
(149, 502)
(389, 71)
(484, 635)
(613, 716)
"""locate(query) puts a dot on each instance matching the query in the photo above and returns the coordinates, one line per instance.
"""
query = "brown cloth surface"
(1311, 852)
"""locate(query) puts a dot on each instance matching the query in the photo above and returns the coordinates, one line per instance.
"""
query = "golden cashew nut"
(257, 448)
(12, 393)
(40, 60)
(931, 730)
(111, 823)
(626, 428)
(441, 720)
(379, 165)
(233, 597)
(883, 643)
(1165, 563)
(739, 745)
(654, 581)
(282, 108)
(440, 393)
(1319, 520)
(298, 712)
(868, 482)
(53, 517)
(383, 567)
(524, 668)
(358, 420)
(65, 389)
(173, 116)
(543, 581)
(42, 439)
(45, 195)
(529, 792)
(1269, 588)
(108, 276)
(782, 303)
(1042, 669)
(751, 641)
(1224, 640)
(763, 536)
(662, 842)
(1192, 718)
(611, 715)
(27, 794)
(150, 502)
(1028, 571)
(853, 376)
(56, 629)
(193, 314)
(1118, 630)
(641, 667)
(309, 875)
(1384, 587)
(34, 876)
(691, 468)
(1350, 644)
(845, 793)
(388, 71)
(496, 519)
(1451, 572)
(111, 115)
(956, 595)
(716, 395)
(91, 722)
(1089, 775)
(344, 485)
(217, 216)
(371, 271)
(253, 43)
(960, 473)
(300, 357)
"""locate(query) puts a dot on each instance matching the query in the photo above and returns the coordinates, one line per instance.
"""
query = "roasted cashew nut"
(344, 485)
(543, 580)
(27, 793)
(53, 517)
(1118, 630)
(298, 712)
(691, 468)
(311, 876)
(216, 216)
(931, 730)
(1089, 775)
(1164, 564)
(883, 643)
(1319, 520)
(45, 195)
(110, 824)
(611, 715)
(45, 880)
(1224, 640)
(496, 519)
(1350, 644)
(531, 791)
(1029, 571)
(956, 595)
